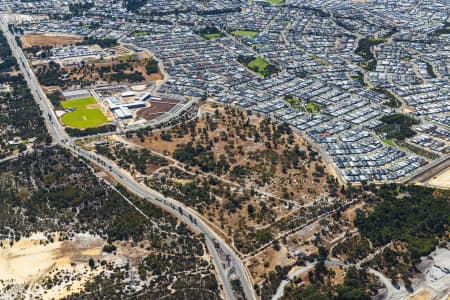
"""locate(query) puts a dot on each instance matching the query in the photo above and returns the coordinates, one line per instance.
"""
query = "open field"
(244, 33)
(78, 103)
(275, 1)
(29, 40)
(212, 36)
(258, 64)
(86, 113)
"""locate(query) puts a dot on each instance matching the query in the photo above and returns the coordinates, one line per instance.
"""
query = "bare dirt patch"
(62, 267)
(267, 260)
(29, 40)
(92, 106)
(441, 180)
(157, 108)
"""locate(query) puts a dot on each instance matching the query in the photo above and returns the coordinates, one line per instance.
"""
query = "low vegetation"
(50, 190)
(241, 171)
(242, 33)
(126, 69)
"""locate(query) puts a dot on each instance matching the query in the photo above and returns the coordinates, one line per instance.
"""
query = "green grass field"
(212, 36)
(258, 65)
(244, 33)
(82, 116)
(275, 1)
(78, 103)
(389, 142)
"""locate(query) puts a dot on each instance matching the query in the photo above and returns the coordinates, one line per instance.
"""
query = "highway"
(177, 209)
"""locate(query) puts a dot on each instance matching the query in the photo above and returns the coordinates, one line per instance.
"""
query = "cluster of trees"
(44, 51)
(198, 155)
(209, 32)
(8, 62)
(364, 50)
(354, 287)
(51, 75)
(151, 66)
(392, 100)
(104, 42)
(122, 71)
(443, 30)
(133, 5)
(140, 159)
(78, 9)
(136, 76)
(90, 131)
(196, 193)
(419, 218)
(352, 249)
(55, 98)
(21, 116)
(398, 126)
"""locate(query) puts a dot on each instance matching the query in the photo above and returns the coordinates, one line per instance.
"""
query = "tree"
(91, 263)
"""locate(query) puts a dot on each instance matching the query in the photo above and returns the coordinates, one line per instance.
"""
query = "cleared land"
(249, 33)
(157, 108)
(86, 113)
(30, 40)
(441, 180)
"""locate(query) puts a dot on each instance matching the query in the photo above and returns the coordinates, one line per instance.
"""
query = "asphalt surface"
(177, 209)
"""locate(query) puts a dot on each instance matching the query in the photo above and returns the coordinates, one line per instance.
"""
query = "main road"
(177, 209)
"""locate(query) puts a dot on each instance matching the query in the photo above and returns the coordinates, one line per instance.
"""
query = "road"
(15, 156)
(56, 130)
(177, 209)
(392, 293)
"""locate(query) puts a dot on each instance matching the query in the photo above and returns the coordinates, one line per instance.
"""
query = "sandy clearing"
(139, 87)
(441, 180)
(29, 259)
(422, 294)
(92, 252)
(26, 260)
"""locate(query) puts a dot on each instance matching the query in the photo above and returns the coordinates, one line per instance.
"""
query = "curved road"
(177, 209)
